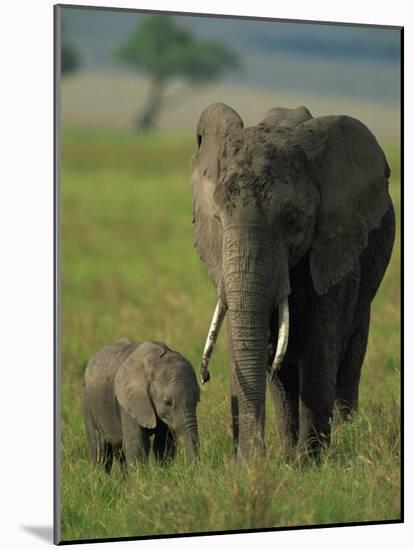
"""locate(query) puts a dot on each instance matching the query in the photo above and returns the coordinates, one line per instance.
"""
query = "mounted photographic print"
(228, 274)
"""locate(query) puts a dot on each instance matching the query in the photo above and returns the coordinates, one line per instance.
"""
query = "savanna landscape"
(129, 268)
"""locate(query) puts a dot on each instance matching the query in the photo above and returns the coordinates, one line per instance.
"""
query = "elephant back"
(99, 387)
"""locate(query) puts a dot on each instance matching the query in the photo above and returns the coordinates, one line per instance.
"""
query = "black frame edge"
(230, 16)
(56, 273)
(402, 311)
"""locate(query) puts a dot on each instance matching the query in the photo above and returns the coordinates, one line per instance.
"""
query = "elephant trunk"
(250, 296)
(189, 431)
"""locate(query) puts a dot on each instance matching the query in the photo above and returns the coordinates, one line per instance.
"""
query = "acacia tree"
(163, 50)
(70, 61)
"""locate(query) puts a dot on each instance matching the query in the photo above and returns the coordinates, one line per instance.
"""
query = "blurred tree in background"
(163, 50)
(69, 59)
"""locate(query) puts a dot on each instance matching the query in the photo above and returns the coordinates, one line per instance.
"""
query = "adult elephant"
(295, 223)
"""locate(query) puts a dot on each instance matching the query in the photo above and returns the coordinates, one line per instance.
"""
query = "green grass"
(129, 269)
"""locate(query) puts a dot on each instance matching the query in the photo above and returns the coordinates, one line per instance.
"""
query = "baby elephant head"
(156, 384)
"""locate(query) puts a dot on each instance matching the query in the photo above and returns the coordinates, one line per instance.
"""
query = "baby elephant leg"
(135, 440)
(91, 429)
(100, 450)
(107, 456)
(164, 443)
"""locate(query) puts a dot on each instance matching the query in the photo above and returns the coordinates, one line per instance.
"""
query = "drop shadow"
(43, 532)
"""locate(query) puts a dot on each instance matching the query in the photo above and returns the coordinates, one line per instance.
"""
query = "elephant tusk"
(216, 323)
(283, 337)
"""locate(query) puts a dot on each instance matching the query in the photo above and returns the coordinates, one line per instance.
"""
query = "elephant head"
(264, 197)
(156, 382)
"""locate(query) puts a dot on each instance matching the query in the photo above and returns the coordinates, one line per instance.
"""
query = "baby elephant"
(132, 391)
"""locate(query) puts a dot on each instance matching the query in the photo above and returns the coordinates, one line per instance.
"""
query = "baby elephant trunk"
(189, 431)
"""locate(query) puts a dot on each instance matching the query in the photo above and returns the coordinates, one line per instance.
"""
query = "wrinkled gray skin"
(294, 207)
(132, 391)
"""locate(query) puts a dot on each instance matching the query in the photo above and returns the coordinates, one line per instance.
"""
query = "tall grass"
(129, 269)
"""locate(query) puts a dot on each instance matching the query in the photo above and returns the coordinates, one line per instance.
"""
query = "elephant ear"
(286, 118)
(352, 173)
(214, 125)
(132, 384)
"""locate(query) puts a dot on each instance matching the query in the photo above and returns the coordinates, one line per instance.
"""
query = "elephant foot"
(252, 461)
(251, 452)
(310, 448)
(344, 411)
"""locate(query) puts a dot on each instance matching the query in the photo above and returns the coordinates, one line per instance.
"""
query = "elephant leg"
(120, 456)
(349, 370)
(233, 397)
(315, 406)
(164, 445)
(100, 451)
(91, 429)
(329, 320)
(317, 379)
(135, 440)
(107, 456)
(284, 392)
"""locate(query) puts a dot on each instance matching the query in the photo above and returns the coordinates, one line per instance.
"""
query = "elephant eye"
(168, 401)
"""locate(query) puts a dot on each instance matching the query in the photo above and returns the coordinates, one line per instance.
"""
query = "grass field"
(129, 269)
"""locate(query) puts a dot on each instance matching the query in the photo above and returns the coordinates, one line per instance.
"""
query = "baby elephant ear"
(132, 385)
(351, 172)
